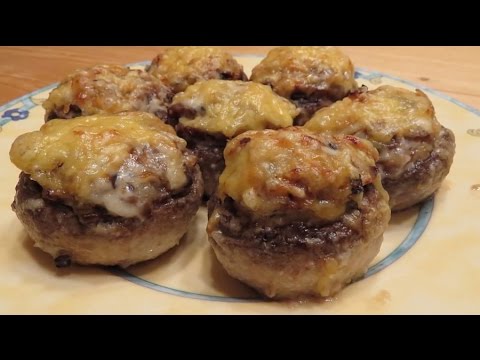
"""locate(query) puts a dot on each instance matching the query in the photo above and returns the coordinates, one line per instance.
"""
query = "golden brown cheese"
(233, 107)
(293, 169)
(109, 89)
(379, 115)
(117, 161)
(308, 68)
(180, 67)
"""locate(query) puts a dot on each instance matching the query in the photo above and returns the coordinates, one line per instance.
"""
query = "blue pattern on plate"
(27, 102)
(15, 114)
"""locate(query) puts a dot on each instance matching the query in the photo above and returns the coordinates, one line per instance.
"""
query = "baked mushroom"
(297, 213)
(180, 67)
(311, 76)
(105, 189)
(416, 151)
(209, 113)
(107, 89)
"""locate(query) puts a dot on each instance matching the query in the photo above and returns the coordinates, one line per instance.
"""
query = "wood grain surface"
(454, 71)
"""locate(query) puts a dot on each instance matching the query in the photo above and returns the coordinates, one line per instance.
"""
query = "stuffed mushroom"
(416, 151)
(105, 189)
(297, 213)
(108, 89)
(311, 76)
(180, 67)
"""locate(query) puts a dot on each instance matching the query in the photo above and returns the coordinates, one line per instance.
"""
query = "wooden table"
(451, 70)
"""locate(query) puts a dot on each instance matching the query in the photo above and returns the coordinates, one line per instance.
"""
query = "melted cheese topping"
(183, 66)
(109, 89)
(308, 68)
(379, 115)
(118, 161)
(294, 169)
(233, 107)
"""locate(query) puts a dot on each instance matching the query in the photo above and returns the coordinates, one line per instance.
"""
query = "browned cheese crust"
(311, 76)
(209, 113)
(181, 67)
(107, 89)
